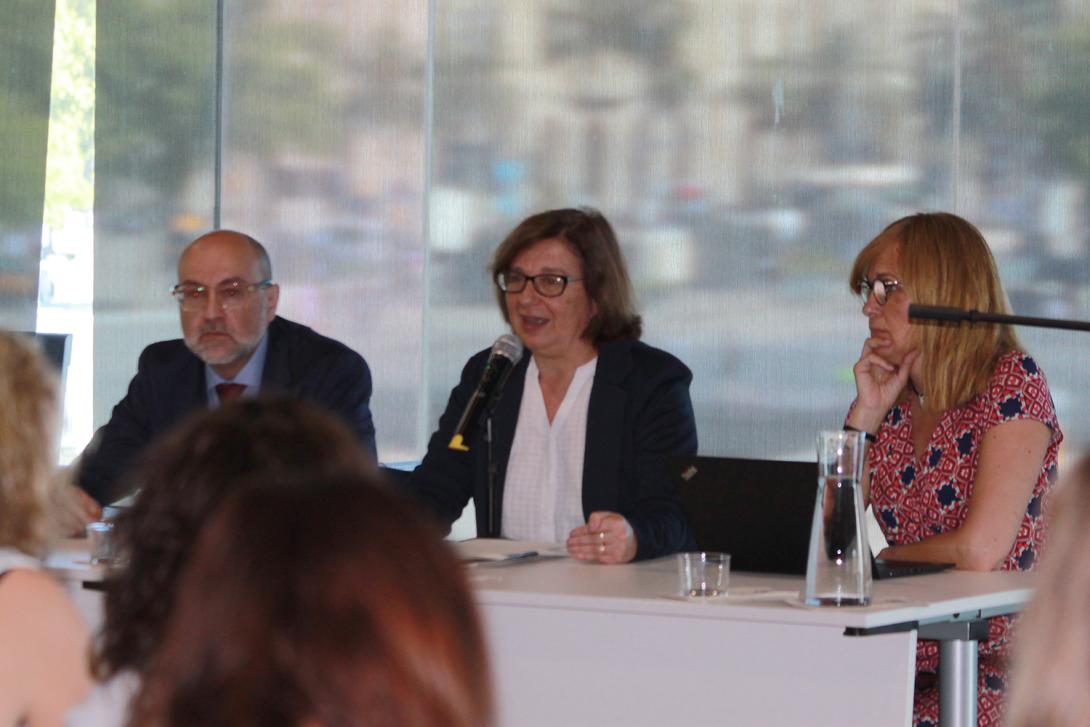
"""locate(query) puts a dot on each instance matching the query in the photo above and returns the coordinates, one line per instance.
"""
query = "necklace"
(919, 394)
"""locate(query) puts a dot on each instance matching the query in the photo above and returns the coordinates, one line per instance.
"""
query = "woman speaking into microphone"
(584, 424)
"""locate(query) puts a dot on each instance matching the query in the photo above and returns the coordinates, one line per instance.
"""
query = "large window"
(26, 49)
(745, 150)
(66, 269)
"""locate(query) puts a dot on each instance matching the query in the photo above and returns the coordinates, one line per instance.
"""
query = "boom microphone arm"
(956, 315)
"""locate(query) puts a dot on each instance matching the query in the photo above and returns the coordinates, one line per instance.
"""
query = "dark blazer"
(639, 413)
(170, 383)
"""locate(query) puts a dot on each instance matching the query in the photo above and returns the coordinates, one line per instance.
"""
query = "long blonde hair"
(28, 427)
(1052, 642)
(945, 261)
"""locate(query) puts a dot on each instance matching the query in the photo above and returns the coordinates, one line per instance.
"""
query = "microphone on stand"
(956, 315)
(506, 352)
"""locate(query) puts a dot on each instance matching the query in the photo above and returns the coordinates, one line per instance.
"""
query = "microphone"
(938, 313)
(956, 315)
(506, 352)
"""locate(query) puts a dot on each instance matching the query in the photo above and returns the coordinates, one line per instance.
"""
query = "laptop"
(757, 510)
(882, 568)
(760, 511)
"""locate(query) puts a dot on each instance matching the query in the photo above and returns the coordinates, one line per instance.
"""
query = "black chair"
(758, 510)
(396, 474)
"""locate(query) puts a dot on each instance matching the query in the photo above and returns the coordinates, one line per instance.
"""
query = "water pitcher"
(838, 570)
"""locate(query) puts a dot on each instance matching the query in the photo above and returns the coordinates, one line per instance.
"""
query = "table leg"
(957, 683)
(958, 668)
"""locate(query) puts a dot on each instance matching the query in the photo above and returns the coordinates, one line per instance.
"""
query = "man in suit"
(233, 345)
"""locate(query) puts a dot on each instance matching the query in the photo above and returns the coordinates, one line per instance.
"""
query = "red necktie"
(229, 392)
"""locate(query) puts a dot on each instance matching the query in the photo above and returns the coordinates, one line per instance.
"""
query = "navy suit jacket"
(170, 383)
(639, 414)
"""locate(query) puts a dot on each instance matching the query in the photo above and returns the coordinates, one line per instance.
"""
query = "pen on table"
(521, 555)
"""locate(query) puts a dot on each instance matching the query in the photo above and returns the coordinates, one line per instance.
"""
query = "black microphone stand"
(493, 516)
(956, 315)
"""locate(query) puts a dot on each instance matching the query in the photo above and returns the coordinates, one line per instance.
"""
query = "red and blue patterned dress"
(918, 497)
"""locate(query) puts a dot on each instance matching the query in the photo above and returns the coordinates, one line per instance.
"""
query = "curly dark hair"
(183, 477)
(319, 600)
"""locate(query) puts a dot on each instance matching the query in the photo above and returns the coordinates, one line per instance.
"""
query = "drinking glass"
(703, 574)
(100, 541)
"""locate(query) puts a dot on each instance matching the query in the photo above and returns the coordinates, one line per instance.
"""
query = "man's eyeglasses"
(549, 285)
(232, 294)
(879, 288)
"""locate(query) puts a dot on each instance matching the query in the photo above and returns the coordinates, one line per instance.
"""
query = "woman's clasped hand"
(606, 538)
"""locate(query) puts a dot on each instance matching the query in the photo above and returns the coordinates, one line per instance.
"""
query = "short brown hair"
(946, 262)
(28, 431)
(605, 275)
(320, 600)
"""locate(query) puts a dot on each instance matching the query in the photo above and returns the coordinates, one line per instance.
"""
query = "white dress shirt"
(543, 487)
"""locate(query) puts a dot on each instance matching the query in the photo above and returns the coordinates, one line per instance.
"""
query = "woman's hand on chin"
(878, 383)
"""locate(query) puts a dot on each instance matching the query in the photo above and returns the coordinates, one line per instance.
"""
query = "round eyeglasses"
(231, 294)
(879, 288)
(549, 285)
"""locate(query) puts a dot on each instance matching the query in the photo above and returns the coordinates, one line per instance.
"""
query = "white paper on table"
(495, 550)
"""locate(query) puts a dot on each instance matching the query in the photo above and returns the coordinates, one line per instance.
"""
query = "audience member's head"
(319, 602)
(1052, 643)
(28, 424)
(183, 477)
(43, 640)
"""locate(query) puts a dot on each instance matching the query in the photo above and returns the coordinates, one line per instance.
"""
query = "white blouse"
(543, 487)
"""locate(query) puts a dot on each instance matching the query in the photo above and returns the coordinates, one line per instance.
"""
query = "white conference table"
(70, 563)
(581, 644)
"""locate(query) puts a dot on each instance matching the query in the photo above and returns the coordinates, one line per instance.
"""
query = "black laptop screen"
(759, 511)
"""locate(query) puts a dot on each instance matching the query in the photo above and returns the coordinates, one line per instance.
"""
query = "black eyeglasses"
(879, 288)
(549, 285)
(232, 294)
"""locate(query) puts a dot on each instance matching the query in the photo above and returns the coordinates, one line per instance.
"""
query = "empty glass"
(100, 541)
(703, 574)
(838, 569)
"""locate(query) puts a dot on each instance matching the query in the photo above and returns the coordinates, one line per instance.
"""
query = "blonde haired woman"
(1052, 641)
(43, 641)
(963, 427)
